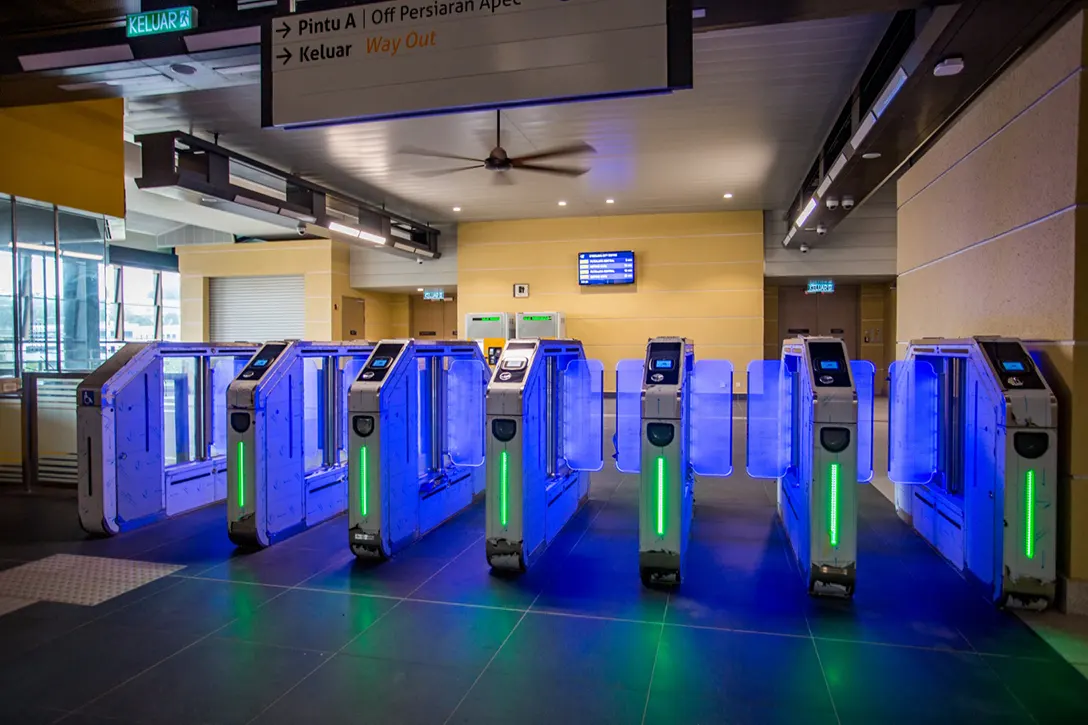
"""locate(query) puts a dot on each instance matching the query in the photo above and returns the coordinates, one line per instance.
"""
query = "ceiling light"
(890, 90)
(609, 201)
(870, 155)
(727, 196)
(376, 238)
(837, 167)
(344, 229)
(949, 67)
(457, 208)
(864, 128)
(562, 203)
(419, 289)
(823, 187)
(804, 215)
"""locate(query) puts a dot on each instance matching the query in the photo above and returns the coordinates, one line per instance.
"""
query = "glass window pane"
(140, 322)
(171, 289)
(138, 286)
(7, 292)
(179, 409)
(36, 270)
(82, 248)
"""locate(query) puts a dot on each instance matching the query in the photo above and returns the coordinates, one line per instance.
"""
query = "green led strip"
(833, 508)
(504, 482)
(364, 481)
(660, 495)
(1029, 514)
(241, 476)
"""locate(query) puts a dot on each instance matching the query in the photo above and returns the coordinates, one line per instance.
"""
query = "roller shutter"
(256, 309)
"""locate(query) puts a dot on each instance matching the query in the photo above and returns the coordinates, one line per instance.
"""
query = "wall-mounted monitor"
(606, 268)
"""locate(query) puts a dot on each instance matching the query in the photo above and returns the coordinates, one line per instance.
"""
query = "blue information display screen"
(606, 268)
(662, 364)
(380, 363)
(1013, 367)
(261, 363)
(829, 364)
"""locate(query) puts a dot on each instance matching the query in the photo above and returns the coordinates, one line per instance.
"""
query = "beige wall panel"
(612, 331)
(658, 278)
(1028, 79)
(1019, 285)
(621, 305)
(615, 228)
(1026, 172)
(562, 255)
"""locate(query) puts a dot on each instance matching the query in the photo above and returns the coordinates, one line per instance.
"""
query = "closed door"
(831, 315)
(352, 318)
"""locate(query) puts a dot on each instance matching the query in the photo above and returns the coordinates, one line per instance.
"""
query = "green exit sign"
(155, 22)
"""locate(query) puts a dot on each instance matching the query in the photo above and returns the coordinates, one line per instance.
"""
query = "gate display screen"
(596, 268)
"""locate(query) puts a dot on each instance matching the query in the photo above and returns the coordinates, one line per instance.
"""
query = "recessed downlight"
(870, 155)
(562, 203)
(419, 289)
(457, 208)
(727, 195)
(609, 201)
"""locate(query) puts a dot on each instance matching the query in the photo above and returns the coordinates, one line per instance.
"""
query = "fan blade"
(570, 150)
(545, 169)
(442, 172)
(502, 178)
(413, 151)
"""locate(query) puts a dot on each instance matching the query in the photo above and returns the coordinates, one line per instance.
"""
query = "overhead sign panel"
(419, 57)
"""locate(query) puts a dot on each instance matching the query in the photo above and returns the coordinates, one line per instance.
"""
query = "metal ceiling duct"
(908, 95)
(181, 166)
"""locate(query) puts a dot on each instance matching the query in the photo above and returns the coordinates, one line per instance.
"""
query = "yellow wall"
(772, 345)
(324, 265)
(69, 154)
(992, 241)
(874, 324)
(698, 275)
(11, 423)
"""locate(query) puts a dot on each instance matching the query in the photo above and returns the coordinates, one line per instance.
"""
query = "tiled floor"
(302, 633)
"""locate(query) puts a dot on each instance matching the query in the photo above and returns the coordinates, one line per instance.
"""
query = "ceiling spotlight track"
(499, 161)
(182, 166)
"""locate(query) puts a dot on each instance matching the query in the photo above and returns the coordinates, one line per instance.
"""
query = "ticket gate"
(973, 451)
(151, 429)
(674, 420)
(545, 424)
(810, 427)
(287, 467)
(417, 441)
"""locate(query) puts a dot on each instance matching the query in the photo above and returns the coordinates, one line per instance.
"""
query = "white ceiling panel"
(763, 100)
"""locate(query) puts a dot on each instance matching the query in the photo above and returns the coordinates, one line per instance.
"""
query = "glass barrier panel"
(349, 371)
(313, 406)
(864, 384)
(583, 415)
(179, 409)
(466, 413)
(223, 371)
(712, 418)
(768, 445)
(628, 437)
(912, 422)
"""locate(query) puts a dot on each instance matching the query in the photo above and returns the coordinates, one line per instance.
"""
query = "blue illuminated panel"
(583, 416)
(864, 385)
(628, 439)
(663, 364)
(595, 268)
(466, 389)
(1013, 367)
(829, 364)
(768, 445)
(912, 422)
(711, 423)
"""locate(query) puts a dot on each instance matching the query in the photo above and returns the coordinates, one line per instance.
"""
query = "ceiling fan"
(498, 160)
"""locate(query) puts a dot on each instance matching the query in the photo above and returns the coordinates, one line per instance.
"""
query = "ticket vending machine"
(545, 417)
(810, 427)
(417, 441)
(674, 421)
(543, 325)
(490, 330)
(287, 439)
(973, 452)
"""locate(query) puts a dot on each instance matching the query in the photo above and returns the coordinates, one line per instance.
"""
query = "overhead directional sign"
(417, 57)
(155, 22)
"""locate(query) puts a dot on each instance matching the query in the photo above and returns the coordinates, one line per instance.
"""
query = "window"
(63, 306)
(7, 292)
(140, 295)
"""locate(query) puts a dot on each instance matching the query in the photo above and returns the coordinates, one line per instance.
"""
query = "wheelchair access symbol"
(86, 397)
